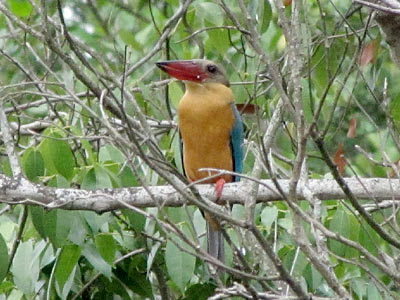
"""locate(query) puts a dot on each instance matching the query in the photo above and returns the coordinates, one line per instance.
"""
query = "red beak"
(183, 70)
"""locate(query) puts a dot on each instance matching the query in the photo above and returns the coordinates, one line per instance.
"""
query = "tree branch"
(19, 190)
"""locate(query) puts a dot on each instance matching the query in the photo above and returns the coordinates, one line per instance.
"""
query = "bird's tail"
(215, 242)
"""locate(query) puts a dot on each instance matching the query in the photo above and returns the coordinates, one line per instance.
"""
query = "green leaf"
(56, 224)
(200, 291)
(269, 216)
(33, 164)
(210, 12)
(128, 38)
(114, 286)
(67, 261)
(47, 256)
(266, 15)
(3, 258)
(57, 155)
(136, 220)
(176, 147)
(95, 178)
(135, 279)
(21, 8)
(89, 180)
(180, 265)
(37, 216)
(92, 255)
(175, 93)
(106, 245)
(111, 153)
(127, 177)
(5, 287)
(373, 293)
(94, 221)
(25, 268)
(339, 224)
(395, 109)
(38, 112)
(59, 182)
(218, 41)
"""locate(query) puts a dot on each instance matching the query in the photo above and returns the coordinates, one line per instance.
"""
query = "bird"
(210, 129)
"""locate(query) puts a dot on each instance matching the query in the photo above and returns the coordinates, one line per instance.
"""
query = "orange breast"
(205, 122)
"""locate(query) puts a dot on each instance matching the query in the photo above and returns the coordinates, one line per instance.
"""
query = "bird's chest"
(208, 122)
(205, 128)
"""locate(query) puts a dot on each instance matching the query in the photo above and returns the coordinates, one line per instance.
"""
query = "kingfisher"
(211, 131)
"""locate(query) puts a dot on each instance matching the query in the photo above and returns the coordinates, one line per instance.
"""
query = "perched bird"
(211, 130)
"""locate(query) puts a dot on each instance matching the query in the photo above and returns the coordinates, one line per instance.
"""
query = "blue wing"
(237, 138)
(181, 150)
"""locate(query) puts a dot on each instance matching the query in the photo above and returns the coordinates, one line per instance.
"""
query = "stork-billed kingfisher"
(210, 128)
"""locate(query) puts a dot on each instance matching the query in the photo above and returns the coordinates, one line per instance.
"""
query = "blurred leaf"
(56, 225)
(175, 93)
(5, 287)
(313, 277)
(59, 182)
(37, 216)
(93, 256)
(94, 220)
(38, 112)
(136, 220)
(340, 224)
(373, 293)
(96, 178)
(369, 239)
(21, 8)
(3, 258)
(268, 216)
(218, 41)
(57, 155)
(359, 287)
(177, 148)
(209, 11)
(106, 245)
(66, 262)
(200, 291)
(33, 164)
(395, 109)
(111, 153)
(128, 179)
(128, 38)
(287, 2)
(15, 295)
(114, 286)
(266, 15)
(180, 265)
(339, 159)
(47, 256)
(25, 268)
(247, 108)
(369, 53)
(351, 133)
(136, 280)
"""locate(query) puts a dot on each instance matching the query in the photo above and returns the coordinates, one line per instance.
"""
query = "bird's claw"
(219, 186)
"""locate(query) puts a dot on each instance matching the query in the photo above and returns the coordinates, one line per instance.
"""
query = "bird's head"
(195, 70)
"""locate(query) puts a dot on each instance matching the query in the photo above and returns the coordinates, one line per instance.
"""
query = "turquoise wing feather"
(237, 138)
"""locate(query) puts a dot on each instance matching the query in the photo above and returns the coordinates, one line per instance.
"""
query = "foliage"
(77, 99)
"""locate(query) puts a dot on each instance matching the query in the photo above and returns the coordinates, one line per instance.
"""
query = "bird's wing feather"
(181, 152)
(237, 137)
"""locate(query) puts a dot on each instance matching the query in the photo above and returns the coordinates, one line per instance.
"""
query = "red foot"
(219, 186)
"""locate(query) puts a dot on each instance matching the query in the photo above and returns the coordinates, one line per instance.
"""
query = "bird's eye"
(211, 68)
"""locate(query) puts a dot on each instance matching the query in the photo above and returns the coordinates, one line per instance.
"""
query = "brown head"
(195, 70)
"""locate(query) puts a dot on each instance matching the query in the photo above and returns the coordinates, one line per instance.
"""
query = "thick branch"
(20, 190)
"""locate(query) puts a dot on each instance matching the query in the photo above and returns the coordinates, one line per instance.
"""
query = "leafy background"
(59, 254)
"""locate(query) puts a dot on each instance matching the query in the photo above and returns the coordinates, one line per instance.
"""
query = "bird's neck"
(217, 91)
